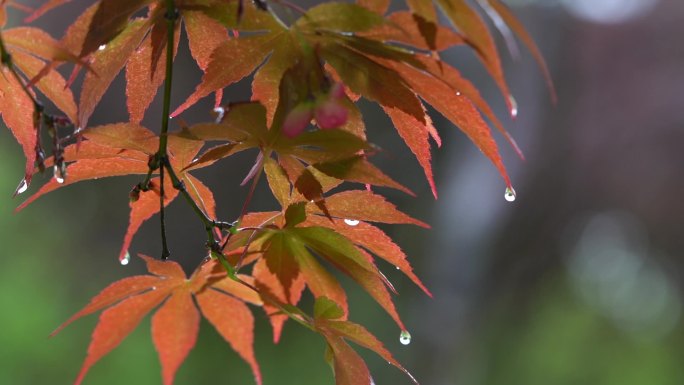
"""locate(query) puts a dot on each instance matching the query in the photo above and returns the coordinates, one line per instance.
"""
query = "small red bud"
(330, 114)
(297, 120)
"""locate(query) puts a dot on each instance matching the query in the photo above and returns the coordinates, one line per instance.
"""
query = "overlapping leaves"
(310, 72)
(125, 149)
(176, 322)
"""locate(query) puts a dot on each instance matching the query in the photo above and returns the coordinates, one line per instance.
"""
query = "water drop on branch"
(58, 174)
(23, 186)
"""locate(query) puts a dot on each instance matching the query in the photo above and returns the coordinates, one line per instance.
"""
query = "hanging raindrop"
(509, 194)
(351, 222)
(514, 106)
(58, 174)
(405, 337)
(126, 258)
(23, 186)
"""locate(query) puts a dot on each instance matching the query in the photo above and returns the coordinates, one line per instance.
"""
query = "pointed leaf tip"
(174, 332)
(116, 323)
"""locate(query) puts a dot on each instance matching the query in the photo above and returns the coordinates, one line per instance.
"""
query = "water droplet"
(220, 113)
(351, 222)
(514, 106)
(398, 268)
(102, 47)
(405, 337)
(23, 186)
(58, 174)
(126, 258)
(509, 194)
(458, 93)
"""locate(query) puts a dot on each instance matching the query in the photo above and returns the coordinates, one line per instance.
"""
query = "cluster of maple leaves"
(303, 123)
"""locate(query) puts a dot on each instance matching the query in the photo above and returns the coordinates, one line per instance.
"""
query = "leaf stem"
(299, 316)
(160, 159)
(209, 224)
(165, 247)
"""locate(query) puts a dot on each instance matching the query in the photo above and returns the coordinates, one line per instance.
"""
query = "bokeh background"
(579, 281)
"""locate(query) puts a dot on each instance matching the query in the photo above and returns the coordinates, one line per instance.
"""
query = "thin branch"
(160, 159)
(165, 246)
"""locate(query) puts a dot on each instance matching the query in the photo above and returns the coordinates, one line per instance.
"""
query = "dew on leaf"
(23, 186)
(126, 258)
(458, 93)
(509, 194)
(351, 222)
(102, 47)
(405, 337)
(398, 268)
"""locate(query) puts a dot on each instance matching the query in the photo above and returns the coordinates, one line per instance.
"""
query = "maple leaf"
(110, 38)
(368, 65)
(176, 323)
(32, 53)
(332, 153)
(288, 248)
(304, 125)
(348, 366)
(124, 149)
(477, 35)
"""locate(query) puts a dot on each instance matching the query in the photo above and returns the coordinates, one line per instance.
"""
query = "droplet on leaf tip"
(405, 337)
(126, 258)
(351, 222)
(514, 106)
(509, 194)
(23, 186)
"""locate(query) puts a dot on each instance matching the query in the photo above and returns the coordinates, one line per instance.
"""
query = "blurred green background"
(579, 281)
